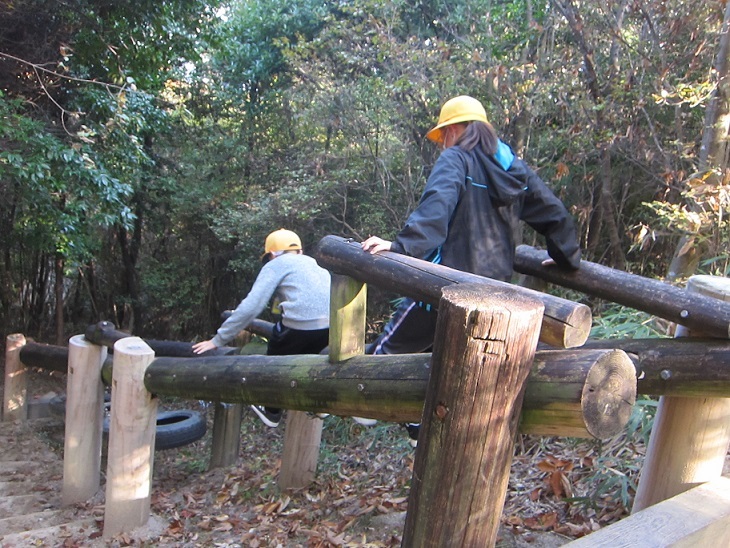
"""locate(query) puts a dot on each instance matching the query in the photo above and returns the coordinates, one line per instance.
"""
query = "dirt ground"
(361, 490)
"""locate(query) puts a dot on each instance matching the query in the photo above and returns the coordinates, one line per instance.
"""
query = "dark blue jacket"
(470, 210)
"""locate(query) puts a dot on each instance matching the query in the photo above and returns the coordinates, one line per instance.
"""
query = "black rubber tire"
(179, 428)
(175, 428)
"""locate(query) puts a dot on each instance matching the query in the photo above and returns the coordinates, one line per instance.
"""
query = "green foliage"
(620, 322)
(612, 477)
(218, 122)
(58, 194)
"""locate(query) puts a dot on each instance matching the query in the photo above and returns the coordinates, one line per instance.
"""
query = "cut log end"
(134, 346)
(609, 394)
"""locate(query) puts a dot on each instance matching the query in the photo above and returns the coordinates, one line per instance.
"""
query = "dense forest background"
(148, 147)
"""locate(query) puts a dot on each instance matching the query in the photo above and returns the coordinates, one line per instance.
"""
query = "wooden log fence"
(569, 392)
(462, 463)
(566, 389)
(664, 367)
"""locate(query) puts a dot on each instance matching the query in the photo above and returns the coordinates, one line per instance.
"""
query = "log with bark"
(572, 393)
(698, 312)
(565, 324)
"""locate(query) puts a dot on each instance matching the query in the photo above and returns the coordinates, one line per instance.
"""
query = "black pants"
(410, 330)
(285, 341)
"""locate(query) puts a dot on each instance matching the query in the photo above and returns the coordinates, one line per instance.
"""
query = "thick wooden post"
(226, 434)
(690, 437)
(347, 338)
(15, 401)
(131, 439)
(84, 421)
(483, 350)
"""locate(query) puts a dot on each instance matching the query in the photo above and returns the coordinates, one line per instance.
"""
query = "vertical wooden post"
(15, 401)
(131, 439)
(348, 307)
(347, 338)
(690, 437)
(84, 421)
(226, 434)
(483, 350)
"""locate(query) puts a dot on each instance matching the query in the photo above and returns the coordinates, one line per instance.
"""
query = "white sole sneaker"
(267, 418)
(365, 422)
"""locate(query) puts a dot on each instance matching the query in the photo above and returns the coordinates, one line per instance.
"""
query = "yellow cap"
(281, 240)
(457, 110)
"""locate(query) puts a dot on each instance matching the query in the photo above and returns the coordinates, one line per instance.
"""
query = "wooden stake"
(84, 421)
(302, 437)
(690, 437)
(226, 434)
(15, 404)
(131, 439)
(347, 338)
(483, 351)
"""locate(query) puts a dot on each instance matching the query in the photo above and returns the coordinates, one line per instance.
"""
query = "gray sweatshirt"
(302, 288)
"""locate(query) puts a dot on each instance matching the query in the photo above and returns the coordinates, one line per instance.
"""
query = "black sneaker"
(271, 417)
(413, 428)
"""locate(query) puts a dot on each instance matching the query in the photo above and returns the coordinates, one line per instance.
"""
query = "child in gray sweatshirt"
(302, 289)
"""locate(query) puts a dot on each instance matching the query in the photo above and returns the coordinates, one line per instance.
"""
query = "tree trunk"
(58, 291)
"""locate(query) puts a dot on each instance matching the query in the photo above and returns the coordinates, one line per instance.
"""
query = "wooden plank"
(698, 517)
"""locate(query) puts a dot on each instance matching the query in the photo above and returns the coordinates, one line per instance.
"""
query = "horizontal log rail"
(565, 324)
(705, 314)
(664, 367)
(677, 367)
(570, 393)
(106, 334)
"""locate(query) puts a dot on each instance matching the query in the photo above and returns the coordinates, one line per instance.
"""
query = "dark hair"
(479, 134)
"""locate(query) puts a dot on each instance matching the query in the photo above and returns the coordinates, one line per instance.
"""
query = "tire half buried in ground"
(175, 428)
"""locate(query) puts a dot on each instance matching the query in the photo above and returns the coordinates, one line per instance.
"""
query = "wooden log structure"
(105, 334)
(579, 393)
(565, 324)
(676, 367)
(483, 352)
(691, 435)
(131, 451)
(84, 421)
(705, 314)
(664, 367)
